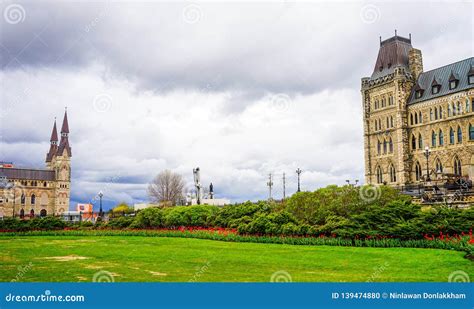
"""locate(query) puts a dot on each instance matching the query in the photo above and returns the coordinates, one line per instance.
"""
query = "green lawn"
(132, 258)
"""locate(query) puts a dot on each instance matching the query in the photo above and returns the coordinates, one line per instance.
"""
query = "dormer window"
(470, 79)
(435, 89)
(453, 81)
(418, 93)
(453, 84)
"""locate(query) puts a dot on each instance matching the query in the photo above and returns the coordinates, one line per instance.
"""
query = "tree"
(166, 187)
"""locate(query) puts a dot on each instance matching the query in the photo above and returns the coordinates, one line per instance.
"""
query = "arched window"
(413, 142)
(23, 199)
(411, 119)
(471, 132)
(43, 213)
(459, 108)
(384, 146)
(454, 109)
(416, 118)
(440, 112)
(391, 121)
(22, 213)
(32, 213)
(459, 135)
(379, 175)
(439, 166)
(451, 136)
(431, 114)
(33, 199)
(417, 171)
(441, 138)
(378, 147)
(420, 117)
(420, 141)
(390, 145)
(457, 167)
(433, 139)
(393, 175)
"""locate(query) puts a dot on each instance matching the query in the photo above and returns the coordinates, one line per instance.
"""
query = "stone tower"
(384, 97)
(59, 160)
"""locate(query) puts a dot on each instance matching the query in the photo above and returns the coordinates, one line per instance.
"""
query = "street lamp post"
(299, 171)
(100, 204)
(427, 155)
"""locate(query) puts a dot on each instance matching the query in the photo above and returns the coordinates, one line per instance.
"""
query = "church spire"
(64, 143)
(54, 143)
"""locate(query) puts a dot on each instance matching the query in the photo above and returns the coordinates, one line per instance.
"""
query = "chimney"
(415, 62)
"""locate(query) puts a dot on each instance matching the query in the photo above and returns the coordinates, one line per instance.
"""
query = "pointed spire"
(54, 134)
(65, 127)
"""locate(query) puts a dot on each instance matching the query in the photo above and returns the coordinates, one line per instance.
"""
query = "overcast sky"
(239, 89)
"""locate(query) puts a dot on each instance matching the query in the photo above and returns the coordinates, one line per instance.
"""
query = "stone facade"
(27, 193)
(407, 110)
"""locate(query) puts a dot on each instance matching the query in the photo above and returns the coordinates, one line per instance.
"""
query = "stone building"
(408, 112)
(26, 193)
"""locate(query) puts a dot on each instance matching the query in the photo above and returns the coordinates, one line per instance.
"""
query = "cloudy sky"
(239, 89)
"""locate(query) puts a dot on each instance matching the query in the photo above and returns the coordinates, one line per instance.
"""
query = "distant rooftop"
(393, 52)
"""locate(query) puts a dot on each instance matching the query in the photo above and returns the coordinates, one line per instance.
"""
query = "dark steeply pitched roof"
(393, 52)
(54, 134)
(27, 174)
(459, 70)
(65, 127)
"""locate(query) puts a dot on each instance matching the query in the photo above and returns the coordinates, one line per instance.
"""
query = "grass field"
(131, 258)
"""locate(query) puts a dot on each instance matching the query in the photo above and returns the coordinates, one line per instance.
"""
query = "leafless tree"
(167, 187)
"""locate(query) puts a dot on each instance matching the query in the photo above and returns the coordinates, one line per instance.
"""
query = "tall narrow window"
(411, 119)
(457, 167)
(439, 166)
(468, 106)
(384, 146)
(431, 114)
(440, 112)
(23, 199)
(436, 113)
(393, 175)
(433, 139)
(471, 132)
(451, 136)
(420, 117)
(390, 145)
(413, 142)
(459, 135)
(418, 171)
(33, 199)
(378, 147)
(454, 109)
(441, 138)
(420, 141)
(450, 112)
(379, 175)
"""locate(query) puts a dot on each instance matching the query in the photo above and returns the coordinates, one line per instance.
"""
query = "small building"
(212, 202)
(71, 216)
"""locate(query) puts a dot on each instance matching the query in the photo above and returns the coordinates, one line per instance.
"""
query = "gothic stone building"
(26, 193)
(407, 110)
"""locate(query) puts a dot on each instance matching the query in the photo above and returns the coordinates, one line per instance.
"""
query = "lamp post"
(100, 204)
(299, 171)
(427, 155)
